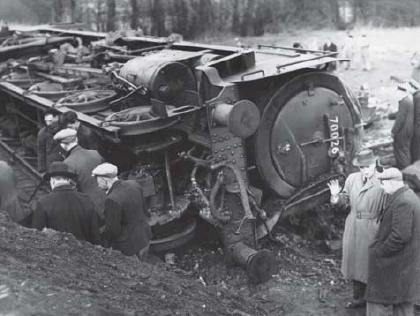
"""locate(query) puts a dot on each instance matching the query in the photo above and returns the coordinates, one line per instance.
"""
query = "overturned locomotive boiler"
(207, 130)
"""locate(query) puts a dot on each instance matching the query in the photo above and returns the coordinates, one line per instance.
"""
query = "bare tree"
(110, 15)
(134, 14)
(158, 18)
(235, 17)
(58, 11)
(73, 10)
(247, 25)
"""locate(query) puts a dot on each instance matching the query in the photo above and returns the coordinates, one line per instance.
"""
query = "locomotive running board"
(313, 195)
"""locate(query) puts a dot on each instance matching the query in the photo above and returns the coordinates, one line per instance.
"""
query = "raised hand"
(334, 186)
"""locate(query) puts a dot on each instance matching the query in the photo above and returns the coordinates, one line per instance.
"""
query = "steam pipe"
(213, 195)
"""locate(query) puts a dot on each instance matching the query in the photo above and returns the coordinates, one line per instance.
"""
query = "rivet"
(232, 152)
(227, 137)
(228, 147)
(213, 141)
(242, 156)
(222, 149)
(216, 151)
(235, 145)
(234, 161)
(214, 135)
(220, 139)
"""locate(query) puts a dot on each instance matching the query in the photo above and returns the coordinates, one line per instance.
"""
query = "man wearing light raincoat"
(363, 192)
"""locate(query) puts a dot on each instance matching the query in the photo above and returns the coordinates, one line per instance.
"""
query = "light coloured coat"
(365, 200)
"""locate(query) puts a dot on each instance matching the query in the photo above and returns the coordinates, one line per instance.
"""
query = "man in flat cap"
(86, 137)
(126, 224)
(65, 209)
(83, 161)
(394, 256)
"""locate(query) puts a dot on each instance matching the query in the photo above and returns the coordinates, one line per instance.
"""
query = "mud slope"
(51, 273)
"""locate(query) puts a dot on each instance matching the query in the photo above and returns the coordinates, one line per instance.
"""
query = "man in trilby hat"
(363, 193)
(65, 209)
(394, 256)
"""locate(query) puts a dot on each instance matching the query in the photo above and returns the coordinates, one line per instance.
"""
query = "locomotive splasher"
(207, 130)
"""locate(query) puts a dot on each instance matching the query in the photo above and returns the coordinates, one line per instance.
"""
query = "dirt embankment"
(51, 273)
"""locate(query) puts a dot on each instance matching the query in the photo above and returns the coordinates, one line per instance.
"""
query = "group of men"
(381, 250)
(87, 200)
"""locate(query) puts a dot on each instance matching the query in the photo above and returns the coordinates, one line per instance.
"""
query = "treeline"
(195, 18)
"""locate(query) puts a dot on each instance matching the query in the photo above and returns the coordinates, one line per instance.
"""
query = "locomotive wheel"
(138, 121)
(22, 80)
(88, 101)
(55, 91)
(176, 239)
(293, 143)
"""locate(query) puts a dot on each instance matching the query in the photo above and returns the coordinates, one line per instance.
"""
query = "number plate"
(334, 128)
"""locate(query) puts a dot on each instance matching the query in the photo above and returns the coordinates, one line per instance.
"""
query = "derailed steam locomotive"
(207, 130)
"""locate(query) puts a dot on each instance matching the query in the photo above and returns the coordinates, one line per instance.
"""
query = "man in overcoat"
(403, 131)
(48, 150)
(329, 46)
(363, 193)
(394, 256)
(65, 209)
(126, 224)
(83, 161)
(415, 142)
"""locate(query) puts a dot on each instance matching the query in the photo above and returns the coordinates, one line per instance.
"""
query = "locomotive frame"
(208, 130)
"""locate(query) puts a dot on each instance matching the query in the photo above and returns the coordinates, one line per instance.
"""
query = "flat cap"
(392, 174)
(66, 136)
(105, 170)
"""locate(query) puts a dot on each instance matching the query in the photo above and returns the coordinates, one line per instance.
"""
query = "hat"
(59, 168)
(392, 174)
(364, 158)
(66, 136)
(69, 117)
(105, 170)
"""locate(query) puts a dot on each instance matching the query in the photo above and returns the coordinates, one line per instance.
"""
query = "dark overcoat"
(394, 256)
(331, 48)
(415, 142)
(48, 150)
(87, 138)
(67, 210)
(126, 224)
(83, 161)
(403, 131)
(9, 194)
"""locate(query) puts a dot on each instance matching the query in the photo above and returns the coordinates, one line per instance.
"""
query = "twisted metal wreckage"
(207, 130)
